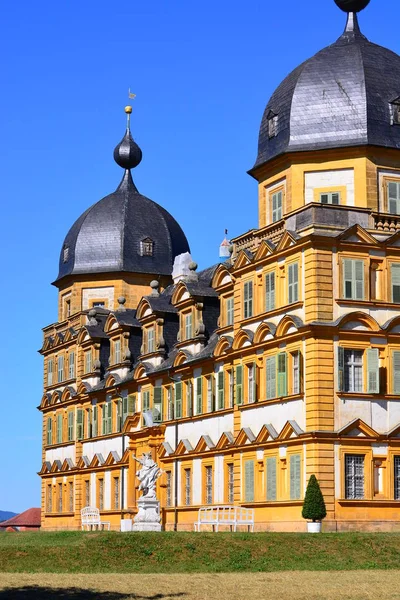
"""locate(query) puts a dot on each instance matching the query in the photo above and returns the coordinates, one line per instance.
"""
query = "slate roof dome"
(124, 231)
(342, 96)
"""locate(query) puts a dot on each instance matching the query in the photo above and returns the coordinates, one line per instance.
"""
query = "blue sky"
(203, 73)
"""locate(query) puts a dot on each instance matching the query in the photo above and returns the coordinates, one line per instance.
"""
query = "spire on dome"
(128, 154)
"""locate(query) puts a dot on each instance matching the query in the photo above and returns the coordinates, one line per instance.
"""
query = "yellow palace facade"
(246, 378)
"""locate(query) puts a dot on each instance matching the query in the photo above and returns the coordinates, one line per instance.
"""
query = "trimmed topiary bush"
(314, 505)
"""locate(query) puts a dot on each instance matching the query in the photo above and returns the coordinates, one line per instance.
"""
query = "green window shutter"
(249, 481)
(270, 291)
(271, 377)
(109, 416)
(189, 399)
(59, 428)
(353, 279)
(395, 271)
(158, 409)
(178, 400)
(229, 311)
(95, 426)
(348, 279)
(239, 385)
(104, 419)
(293, 283)
(254, 385)
(396, 372)
(49, 431)
(277, 206)
(146, 401)
(295, 474)
(71, 365)
(393, 189)
(359, 279)
(70, 426)
(79, 424)
(373, 371)
(271, 478)
(119, 414)
(211, 393)
(340, 369)
(199, 395)
(131, 404)
(220, 392)
(248, 299)
(282, 374)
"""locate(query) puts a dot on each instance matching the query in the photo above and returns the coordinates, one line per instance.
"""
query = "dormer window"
(395, 111)
(146, 247)
(272, 124)
(65, 253)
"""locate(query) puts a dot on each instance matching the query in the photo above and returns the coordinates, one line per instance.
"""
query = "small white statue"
(148, 475)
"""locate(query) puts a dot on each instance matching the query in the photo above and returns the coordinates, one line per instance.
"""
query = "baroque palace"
(282, 361)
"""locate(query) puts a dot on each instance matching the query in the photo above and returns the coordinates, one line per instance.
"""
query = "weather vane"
(128, 109)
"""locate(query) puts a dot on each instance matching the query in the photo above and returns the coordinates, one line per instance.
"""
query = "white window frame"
(333, 198)
(352, 369)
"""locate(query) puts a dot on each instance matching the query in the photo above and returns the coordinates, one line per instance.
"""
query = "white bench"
(90, 518)
(225, 515)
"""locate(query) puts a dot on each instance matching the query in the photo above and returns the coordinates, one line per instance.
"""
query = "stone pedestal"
(148, 517)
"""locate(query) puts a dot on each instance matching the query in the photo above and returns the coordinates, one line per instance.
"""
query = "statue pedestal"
(148, 517)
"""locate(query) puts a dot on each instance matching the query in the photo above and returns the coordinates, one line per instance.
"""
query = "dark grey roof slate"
(127, 317)
(340, 97)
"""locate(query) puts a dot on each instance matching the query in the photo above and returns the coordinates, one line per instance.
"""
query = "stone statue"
(148, 475)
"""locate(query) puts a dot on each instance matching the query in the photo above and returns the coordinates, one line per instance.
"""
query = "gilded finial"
(128, 109)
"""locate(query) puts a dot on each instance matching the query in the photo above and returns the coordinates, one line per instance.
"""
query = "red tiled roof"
(29, 518)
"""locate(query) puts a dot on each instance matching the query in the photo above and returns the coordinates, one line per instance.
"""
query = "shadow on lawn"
(46, 593)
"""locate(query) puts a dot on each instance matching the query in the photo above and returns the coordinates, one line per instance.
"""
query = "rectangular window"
(117, 352)
(295, 475)
(271, 478)
(79, 424)
(116, 493)
(353, 279)
(396, 372)
(353, 370)
(188, 326)
(101, 494)
(50, 366)
(169, 489)
(239, 385)
(107, 417)
(87, 493)
(393, 192)
(158, 408)
(145, 401)
(189, 399)
(128, 406)
(231, 483)
(88, 361)
(150, 340)
(209, 484)
(293, 283)
(276, 205)
(330, 198)
(296, 373)
(71, 365)
(49, 431)
(70, 426)
(199, 396)
(282, 374)
(188, 490)
(270, 291)
(270, 371)
(252, 383)
(71, 496)
(210, 394)
(60, 369)
(229, 311)
(49, 498)
(220, 390)
(59, 428)
(354, 477)
(249, 481)
(395, 277)
(60, 497)
(397, 477)
(178, 400)
(248, 300)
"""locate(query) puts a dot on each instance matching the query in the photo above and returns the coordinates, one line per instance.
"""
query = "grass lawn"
(112, 552)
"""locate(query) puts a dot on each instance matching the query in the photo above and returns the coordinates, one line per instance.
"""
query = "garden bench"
(225, 515)
(90, 518)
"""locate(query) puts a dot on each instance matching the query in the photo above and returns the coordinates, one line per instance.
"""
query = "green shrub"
(314, 505)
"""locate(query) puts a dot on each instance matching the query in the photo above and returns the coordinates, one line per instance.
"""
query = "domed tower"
(118, 245)
(330, 132)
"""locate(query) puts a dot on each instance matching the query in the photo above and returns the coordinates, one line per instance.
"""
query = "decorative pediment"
(46, 400)
(287, 240)
(56, 466)
(394, 432)
(245, 436)
(204, 443)
(46, 468)
(392, 326)
(111, 323)
(83, 462)
(393, 241)
(140, 371)
(112, 458)
(357, 234)
(244, 258)
(131, 423)
(358, 321)
(165, 450)
(84, 387)
(223, 346)
(221, 277)
(68, 393)
(289, 324)
(290, 430)
(180, 359)
(112, 379)
(267, 432)
(225, 440)
(266, 248)
(48, 343)
(97, 460)
(59, 338)
(184, 447)
(68, 465)
(242, 339)
(55, 397)
(358, 428)
(265, 332)
(144, 309)
(180, 293)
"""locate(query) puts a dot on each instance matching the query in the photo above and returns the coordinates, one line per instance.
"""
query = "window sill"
(362, 396)
(59, 384)
(270, 401)
(375, 303)
(274, 503)
(369, 502)
(61, 445)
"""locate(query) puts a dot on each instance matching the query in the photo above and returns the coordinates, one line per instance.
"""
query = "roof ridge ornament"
(128, 154)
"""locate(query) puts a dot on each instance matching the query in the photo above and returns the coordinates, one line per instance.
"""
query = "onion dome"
(125, 231)
(345, 95)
